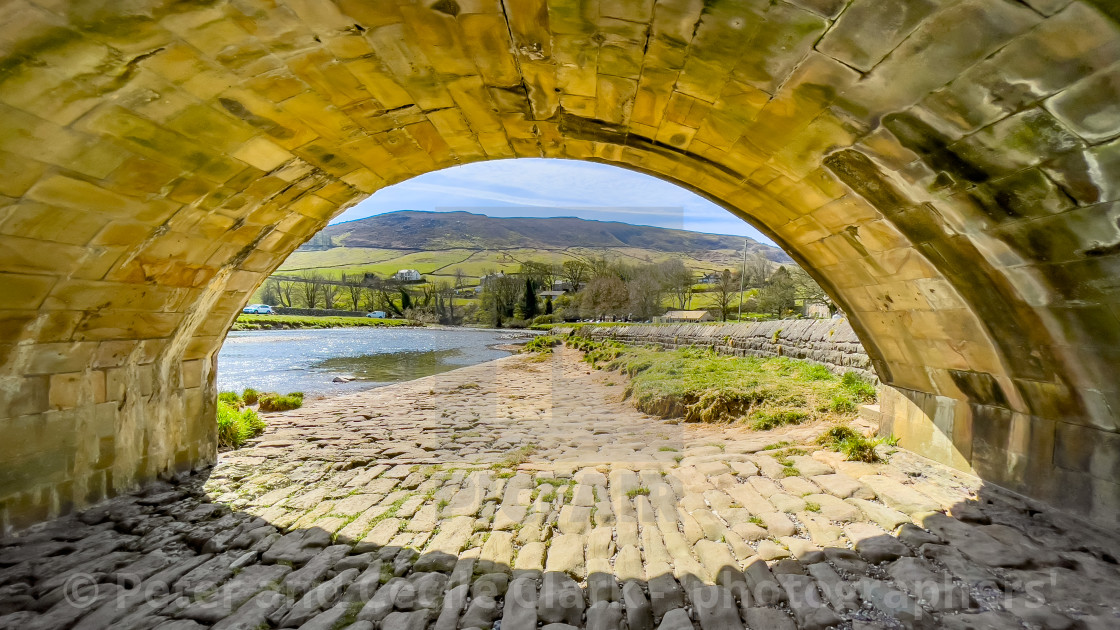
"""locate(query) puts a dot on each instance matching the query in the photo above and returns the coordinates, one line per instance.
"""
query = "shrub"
(236, 426)
(230, 398)
(280, 402)
(250, 396)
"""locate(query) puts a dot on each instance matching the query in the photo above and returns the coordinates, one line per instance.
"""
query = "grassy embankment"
(238, 421)
(278, 322)
(700, 385)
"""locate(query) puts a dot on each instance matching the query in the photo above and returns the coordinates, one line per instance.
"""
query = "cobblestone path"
(521, 494)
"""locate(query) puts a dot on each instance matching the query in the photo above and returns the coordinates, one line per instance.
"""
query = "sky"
(534, 187)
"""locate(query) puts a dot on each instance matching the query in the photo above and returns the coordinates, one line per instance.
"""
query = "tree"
(268, 292)
(646, 287)
(284, 289)
(529, 308)
(757, 270)
(354, 288)
(725, 290)
(779, 294)
(311, 282)
(542, 274)
(500, 295)
(679, 281)
(575, 273)
(605, 296)
(807, 289)
(330, 293)
(460, 278)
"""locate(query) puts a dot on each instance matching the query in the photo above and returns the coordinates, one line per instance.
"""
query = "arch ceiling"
(947, 170)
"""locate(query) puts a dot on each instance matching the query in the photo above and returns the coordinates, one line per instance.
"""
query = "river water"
(309, 360)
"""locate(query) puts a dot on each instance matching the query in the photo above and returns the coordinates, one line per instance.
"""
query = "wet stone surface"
(522, 494)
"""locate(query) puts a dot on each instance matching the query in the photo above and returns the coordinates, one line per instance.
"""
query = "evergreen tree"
(548, 305)
(529, 308)
(406, 300)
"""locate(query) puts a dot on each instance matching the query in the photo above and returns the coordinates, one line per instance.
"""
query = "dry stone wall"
(829, 342)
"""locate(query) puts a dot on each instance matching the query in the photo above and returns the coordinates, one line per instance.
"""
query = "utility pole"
(742, 279)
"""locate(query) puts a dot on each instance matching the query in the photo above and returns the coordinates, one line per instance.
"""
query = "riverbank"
(291, 322)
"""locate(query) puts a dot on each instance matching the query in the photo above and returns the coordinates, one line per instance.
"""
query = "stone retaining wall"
(829, 342)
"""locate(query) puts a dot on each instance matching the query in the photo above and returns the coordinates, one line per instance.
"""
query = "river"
(309, 360)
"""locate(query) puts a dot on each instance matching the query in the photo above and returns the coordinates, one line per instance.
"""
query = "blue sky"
(531, 187)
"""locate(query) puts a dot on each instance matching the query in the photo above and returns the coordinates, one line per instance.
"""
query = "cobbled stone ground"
(523, 493)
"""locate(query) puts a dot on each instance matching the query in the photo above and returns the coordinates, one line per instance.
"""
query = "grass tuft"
(280, 402)
(542, 344)
(236, 425)
(854, 445)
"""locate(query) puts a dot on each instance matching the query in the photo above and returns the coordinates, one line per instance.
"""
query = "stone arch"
(947, 172)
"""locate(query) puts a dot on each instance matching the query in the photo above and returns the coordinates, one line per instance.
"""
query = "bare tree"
(725, 290)
(354, 288)
(605, 296)
(646, 287)
(757, 270)
(460, 278)
(679, 281)
(330, 293)
(310, 285)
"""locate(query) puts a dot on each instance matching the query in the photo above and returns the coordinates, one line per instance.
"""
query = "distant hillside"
(436, 242)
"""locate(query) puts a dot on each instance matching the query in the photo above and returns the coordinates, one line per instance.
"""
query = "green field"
(278, 322)
(476, 263)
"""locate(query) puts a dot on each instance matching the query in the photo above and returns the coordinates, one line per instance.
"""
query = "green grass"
(236, 425)
(270, 322)
(542, 344)
(636, 492)
(700, 385)
(280, 402)
(854, 445)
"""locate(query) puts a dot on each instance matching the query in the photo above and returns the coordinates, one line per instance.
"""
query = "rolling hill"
(435, 243)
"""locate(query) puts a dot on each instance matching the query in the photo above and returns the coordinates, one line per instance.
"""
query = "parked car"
(376, 314)
(258, 309)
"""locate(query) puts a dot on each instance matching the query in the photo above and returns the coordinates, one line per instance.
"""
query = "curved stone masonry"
(831, 343)
(947, 171)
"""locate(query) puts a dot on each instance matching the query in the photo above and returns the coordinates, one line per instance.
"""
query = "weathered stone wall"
(948, 171)
(831, 343)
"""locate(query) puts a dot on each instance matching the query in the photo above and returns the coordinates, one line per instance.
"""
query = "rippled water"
(309, 360)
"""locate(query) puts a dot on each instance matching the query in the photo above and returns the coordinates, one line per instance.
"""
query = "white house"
(407, 275)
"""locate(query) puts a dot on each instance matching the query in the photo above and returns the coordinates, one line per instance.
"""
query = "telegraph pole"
(742, 279)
